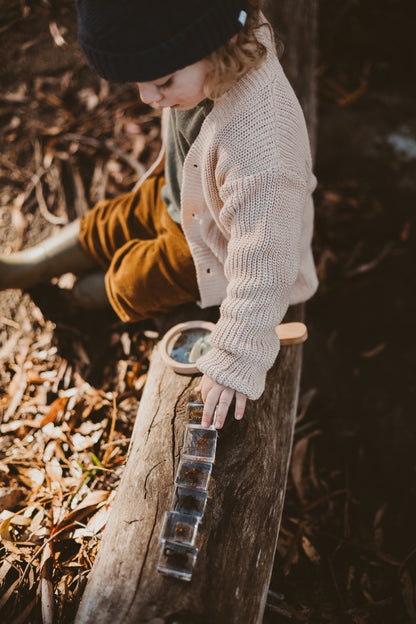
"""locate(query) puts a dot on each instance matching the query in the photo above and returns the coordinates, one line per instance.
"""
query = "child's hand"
(214, 395)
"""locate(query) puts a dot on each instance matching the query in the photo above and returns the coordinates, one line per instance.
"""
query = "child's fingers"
(222, 408)
(240, 405)
(210, 403)
(215, 395)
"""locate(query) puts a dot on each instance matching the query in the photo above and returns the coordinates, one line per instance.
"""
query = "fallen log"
(238, 533)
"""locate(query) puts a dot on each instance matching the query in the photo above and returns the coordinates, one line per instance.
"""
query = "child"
(225, 215)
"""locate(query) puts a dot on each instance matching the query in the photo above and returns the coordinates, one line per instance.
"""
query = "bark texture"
(238, 534)
(295, 23)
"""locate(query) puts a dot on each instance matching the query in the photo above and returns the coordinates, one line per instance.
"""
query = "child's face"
(183, 89)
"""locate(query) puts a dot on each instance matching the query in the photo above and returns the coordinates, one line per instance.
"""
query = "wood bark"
(238, 535)
(295, 23)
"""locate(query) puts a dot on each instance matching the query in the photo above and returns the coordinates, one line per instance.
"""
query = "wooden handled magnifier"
(185, 343)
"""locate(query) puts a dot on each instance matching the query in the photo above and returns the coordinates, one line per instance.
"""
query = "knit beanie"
(142, 40)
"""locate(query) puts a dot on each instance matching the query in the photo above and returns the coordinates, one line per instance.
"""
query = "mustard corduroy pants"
(148, 264)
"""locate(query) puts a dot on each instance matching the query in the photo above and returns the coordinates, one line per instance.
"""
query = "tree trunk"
(295, 24)
(238, 533)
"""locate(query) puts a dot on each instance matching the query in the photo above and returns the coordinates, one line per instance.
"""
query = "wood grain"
(238, 535)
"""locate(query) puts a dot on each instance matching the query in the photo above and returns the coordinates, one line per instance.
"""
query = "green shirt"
(183, 128)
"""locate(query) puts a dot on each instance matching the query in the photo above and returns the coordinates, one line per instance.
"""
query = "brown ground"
(347, 547)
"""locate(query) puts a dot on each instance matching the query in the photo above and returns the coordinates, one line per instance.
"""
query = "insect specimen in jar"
(176, 559)
(194, 413)
(190, 503)
(180, 530)
(203, 441)
(193, 475)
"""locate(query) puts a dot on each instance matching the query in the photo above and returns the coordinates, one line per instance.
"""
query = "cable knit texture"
(247, 214)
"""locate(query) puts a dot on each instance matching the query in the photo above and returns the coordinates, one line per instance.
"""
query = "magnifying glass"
(184, 343)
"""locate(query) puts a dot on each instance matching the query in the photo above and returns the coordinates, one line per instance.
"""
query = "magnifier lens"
(190, 345)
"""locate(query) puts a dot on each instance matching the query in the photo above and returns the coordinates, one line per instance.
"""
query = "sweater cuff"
(238, 372)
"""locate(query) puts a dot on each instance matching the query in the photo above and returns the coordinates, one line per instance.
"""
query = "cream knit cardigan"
(247, 214)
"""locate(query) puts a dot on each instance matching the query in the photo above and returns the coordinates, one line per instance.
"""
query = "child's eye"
(166, 84)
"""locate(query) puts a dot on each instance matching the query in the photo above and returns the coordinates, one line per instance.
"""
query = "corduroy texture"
(149, 268)
(142, 40)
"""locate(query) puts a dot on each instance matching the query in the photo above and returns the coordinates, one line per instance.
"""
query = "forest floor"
(70, 384)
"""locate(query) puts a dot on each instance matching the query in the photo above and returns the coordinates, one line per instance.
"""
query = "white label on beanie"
(242, 17)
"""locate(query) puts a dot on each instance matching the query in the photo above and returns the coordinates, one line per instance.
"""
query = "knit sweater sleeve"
(263, 215)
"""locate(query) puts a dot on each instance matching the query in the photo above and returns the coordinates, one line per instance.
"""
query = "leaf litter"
(68, 401)
(66, 410)
(62, 450)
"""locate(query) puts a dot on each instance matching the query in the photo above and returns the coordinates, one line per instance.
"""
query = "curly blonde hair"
(236, 57)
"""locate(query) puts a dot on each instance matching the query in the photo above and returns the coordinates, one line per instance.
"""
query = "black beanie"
(142, 40)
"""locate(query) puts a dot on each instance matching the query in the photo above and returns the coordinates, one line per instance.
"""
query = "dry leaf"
(10, 497)
(32, 477)
(299, 463)
(6, 566)
(91, 501)
(56, 409)
(310, 551)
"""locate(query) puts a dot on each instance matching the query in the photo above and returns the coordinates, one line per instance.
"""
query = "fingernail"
(238, 416)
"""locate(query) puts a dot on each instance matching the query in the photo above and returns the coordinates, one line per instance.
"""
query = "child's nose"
(149, 93)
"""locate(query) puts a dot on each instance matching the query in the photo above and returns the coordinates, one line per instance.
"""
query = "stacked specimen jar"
(178, 536)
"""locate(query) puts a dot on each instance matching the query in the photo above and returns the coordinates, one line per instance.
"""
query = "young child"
(225, 215)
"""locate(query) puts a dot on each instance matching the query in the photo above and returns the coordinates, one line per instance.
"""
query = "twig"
(275, 595)
(324, 499)
(9, 322)
(132, 162)
(371, 606)
(406, 559)
(107, 451)
(14, 169)
(362, 547)
(18, 394)
(80, 138)
(80, 201)
(369, 266)
(116, 443)
(279, 610)
(43, 207)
